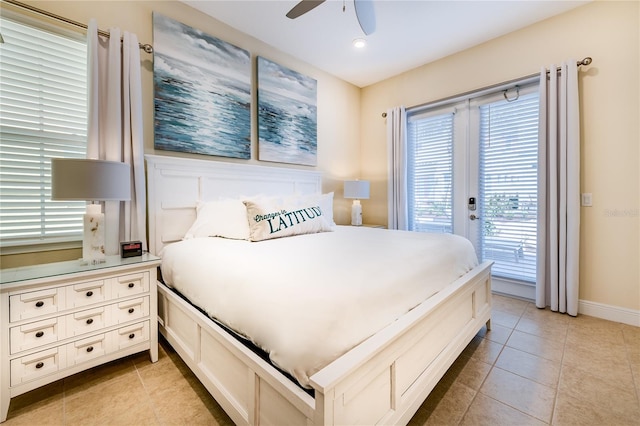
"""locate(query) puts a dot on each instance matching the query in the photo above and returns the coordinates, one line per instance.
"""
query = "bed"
(383, 379)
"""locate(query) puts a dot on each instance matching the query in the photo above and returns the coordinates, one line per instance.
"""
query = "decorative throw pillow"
(276, 217)
(222, 218)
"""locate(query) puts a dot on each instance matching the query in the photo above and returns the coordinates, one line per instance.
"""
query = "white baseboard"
(585, 307)
(608, 312)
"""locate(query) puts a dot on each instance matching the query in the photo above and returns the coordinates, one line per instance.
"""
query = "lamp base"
(93, 236)
(356, 213)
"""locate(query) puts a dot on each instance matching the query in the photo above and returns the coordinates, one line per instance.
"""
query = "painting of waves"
(287, 115)
(202, 92)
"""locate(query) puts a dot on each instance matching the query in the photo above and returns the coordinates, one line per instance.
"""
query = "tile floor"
(533, 368)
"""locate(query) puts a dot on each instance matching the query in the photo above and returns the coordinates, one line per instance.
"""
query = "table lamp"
(358, 190)
(94, 181)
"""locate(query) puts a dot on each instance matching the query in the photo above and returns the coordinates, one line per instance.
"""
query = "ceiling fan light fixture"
(359, 43)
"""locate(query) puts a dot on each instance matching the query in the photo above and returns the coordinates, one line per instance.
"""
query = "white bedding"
(308, 299)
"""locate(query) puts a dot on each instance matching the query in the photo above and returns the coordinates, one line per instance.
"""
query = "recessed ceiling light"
(359, 43)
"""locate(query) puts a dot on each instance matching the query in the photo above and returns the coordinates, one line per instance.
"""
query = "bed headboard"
(175, 184)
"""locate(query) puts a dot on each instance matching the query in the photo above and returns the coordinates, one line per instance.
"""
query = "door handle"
(474, 217)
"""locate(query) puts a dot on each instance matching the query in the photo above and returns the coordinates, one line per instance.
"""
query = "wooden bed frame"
(383, 380)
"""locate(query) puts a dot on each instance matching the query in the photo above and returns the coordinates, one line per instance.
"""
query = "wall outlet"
(586, 199)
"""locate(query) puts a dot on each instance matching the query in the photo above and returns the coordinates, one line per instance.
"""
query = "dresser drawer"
(131, 335)
(130, 285)
(34, 303)
(36, 365)
(87, 349)
(130, 310)
(88, 293)
(34, 334)
(87, 321)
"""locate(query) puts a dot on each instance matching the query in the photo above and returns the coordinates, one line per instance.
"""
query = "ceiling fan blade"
(303, 7)
(366, 15)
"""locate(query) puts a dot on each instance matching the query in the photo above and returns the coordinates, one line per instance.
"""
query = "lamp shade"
(90, 180)
(358, 189)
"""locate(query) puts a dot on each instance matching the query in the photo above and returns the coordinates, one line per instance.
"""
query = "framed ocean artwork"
(287, 115)
(202, 92)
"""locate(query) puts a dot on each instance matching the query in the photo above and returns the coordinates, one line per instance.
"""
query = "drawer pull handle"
(89, 293)
(40, 334)
(39, 304)
(131, 310)
(132, 335)
(40, 365)
(131, 285)
(90, 321)
(90, 349)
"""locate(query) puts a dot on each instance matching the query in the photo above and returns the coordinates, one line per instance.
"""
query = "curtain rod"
(585, 61)
(146, 47)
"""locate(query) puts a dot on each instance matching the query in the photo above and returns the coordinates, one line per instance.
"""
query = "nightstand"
(61, 318)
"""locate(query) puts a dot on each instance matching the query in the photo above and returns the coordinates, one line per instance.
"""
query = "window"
(43, 114)
(430, 172)
(483, 146)
(508, 192)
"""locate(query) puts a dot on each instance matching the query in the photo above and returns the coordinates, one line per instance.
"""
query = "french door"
(473, 171)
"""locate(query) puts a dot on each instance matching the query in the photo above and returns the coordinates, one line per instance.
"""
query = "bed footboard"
(384, 380)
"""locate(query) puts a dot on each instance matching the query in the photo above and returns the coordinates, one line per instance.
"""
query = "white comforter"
(308, 299)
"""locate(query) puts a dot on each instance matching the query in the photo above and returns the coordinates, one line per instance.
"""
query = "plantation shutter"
(508, 185)
(430, 172)
(43, 114)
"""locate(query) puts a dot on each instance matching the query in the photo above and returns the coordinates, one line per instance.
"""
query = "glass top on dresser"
(46, 270)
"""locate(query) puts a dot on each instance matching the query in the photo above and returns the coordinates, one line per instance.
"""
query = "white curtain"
(397, 168)
(115, 127)
(559, 190)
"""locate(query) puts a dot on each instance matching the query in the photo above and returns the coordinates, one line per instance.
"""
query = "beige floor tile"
(181, 401)
(532, 367)
(597, 331)
(468, 371)
(103, 374)
(42, 406)
(451, 407)
(543, 327)
(508, 305)
(498, 333)
(520, 393)
(488, 411)
(546, 314)
(580, 390)
(611, 367)
(536, 345)
(631, 336)
(483, 350)
(121, 401)
(504, 319)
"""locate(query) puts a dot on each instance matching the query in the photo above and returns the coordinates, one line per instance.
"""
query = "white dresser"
(61, 318)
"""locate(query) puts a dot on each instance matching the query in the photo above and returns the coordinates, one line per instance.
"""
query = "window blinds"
(508, 186)
(430, 173)
(43, 114)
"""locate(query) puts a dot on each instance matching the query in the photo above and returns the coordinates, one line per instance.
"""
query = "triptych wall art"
(202, 99)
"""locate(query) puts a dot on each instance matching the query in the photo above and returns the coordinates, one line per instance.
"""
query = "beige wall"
(338, 101)
(610, 158)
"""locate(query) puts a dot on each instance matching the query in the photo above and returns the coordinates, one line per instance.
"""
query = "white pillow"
(222, 218)
(326, 204)
(275, 217)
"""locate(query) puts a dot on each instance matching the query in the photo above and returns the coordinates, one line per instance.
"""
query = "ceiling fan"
(364, 12)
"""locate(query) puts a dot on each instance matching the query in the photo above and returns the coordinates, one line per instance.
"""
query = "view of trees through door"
(473, 171)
